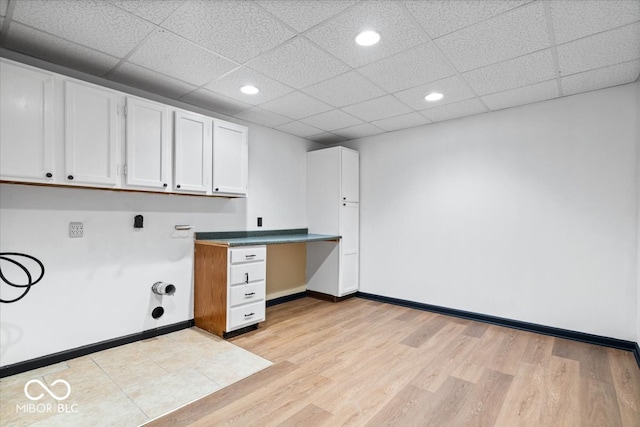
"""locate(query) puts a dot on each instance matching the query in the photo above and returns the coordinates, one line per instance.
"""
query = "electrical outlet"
(259, 221)
(76, 229)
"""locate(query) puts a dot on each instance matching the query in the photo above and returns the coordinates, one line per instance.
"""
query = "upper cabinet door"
(148, 149)
(26, 124)
(230, 158)
(350, 171)
(192, 155)
(91, 135)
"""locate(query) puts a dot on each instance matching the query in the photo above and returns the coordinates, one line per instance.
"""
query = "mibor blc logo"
(59, 393)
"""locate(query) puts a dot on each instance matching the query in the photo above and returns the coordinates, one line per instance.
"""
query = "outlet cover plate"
(76, 229)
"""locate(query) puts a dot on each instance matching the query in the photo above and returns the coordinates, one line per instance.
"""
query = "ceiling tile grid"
(239, 30)
(345, 89)
(523, 95)
(314, 81)
(95, 24)
(180, 58)
(514, 33)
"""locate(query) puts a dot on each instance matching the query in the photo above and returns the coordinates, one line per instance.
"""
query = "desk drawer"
(242, 294)
(248, 254)
(246, 315)
(247, 273)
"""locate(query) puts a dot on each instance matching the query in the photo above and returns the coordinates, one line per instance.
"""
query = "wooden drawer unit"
(229, 288)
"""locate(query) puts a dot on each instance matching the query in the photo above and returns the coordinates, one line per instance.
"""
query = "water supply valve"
(162, 288)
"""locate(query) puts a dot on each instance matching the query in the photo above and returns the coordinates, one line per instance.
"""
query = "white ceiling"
(314, 81)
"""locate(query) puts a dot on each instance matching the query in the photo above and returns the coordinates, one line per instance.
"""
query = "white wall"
(528, 213)
(98, 287)
(638, 209)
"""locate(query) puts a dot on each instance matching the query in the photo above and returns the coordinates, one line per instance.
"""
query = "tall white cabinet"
(333, 207)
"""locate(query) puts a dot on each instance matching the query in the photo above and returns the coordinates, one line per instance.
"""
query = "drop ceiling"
(315, 81)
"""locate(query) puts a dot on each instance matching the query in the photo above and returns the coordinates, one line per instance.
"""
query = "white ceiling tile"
(177, 57)
(98, 25)
(604, 77)
(410, 68)
(230, 84)
(262, 117)
(327, 138)
(573, 19)
(453, 88)
(239, 30)
(4, 5)
(440, 17)
(332, 120)
(359, 131)
(345, 89)
(378, 108)
(296, 105)
(600, 50)
(522, 71)
(54, 49)
(398, 32)
(454, 111)
(524, 95)
(402, 122)
(136, 76)
(215, 102)
(299, 129)
(514, 33)
(298, 63)
(151, 10)
(304, 14)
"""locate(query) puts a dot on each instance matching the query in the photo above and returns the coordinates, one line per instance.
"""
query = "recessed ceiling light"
(434, 96)
(249, 90)
(367, 38)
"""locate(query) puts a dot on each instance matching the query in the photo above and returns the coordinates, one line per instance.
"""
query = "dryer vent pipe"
(162, 288)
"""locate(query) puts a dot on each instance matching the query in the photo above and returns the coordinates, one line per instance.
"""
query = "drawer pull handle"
(246, 277)
(249, 315)
(249, 294)
(250, 256)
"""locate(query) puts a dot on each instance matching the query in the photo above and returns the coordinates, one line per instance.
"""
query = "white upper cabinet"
(192, 153)
(148, 145)
(350, 173)
(91, 135)
(230, 158)
(26, 124)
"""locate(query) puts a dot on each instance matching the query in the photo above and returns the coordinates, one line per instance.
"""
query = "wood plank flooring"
(364, 363)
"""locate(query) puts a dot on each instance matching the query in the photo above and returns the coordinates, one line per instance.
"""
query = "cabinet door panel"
(192, 156)
(230, 158)
(91, 135)
(349, 273)
(350, 171)
(148, 145)
(26, 124)
(350, 227)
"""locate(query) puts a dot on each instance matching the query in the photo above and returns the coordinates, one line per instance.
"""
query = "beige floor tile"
(161, 395)
(112, 410)
(231, 366)
(35, 373)
(137, 371)
(12, 401)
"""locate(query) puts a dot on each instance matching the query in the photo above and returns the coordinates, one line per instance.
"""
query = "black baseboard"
(328, 297)
(510, 323)
(286, 298)
(40, 362)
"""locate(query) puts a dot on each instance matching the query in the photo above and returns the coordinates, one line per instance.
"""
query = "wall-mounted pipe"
(162, 288)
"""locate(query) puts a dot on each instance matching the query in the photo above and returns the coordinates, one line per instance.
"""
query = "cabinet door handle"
(178, 186)
(249, 294)
(246, 277)
(164, 185)
(70, 177)
(249, 315)
(217, 189)
(344, 204)
(250, 256)
(49, 175)
(344, 198)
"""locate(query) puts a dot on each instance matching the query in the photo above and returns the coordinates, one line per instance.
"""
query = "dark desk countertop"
(262, 237)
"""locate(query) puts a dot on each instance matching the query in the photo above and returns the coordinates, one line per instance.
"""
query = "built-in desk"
(251, 238)
(230, 280)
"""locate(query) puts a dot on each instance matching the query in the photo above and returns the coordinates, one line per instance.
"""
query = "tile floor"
(128, 385)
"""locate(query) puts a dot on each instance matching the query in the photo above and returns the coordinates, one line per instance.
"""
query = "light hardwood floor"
(364, 363)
